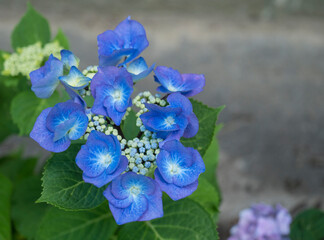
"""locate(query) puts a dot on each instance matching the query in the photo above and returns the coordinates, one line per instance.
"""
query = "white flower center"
(117, 95)
(135, 190)
(169, 121)
(105, 159)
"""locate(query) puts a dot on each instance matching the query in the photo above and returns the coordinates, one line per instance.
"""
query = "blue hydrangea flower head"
(56, 127)
(178, 169)
(45, 79)
(69, 59)
(139, 69)
(128, 40)
(100, 159)
(172, 81)
(262, 221)
(112, 88)
(134, 197)
(173, 121)
(75, 79)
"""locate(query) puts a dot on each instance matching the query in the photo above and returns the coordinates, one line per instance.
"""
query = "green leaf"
(63, 185)
(62, 39)
(26, 107)
(5, 194)
(32, 28)
(27, 214)
(308, 225)
(16, 168)
(207, 122)
(129, 128)
(211, 160)
(86, 225)
(7, 127)
(207, 196)
(2, 59)
(183, 219)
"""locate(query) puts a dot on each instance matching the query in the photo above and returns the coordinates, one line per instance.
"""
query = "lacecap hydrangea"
(134, 171)
(262, 222)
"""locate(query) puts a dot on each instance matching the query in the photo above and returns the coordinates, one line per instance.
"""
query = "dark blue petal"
(45, 79)
(44, 137)
(180, 101)
(75, 79)
(69, 59)
(172, 190)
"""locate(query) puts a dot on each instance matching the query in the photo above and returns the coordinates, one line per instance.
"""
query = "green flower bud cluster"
(89, 72)
(29, 58)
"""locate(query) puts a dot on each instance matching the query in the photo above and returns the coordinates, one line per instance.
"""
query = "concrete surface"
(263, 59)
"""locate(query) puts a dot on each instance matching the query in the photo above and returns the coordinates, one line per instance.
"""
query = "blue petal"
(145, 184)
(133, 35)
(75, 97)
(138, 69)
(62, 129)
(172, 190)
(116, 202)
(45, 79)
(180, 101)
(169, 78)
(105, 177)
(88, 162)
(131, 213)
(44, 137)
(75, 79)
(80, 125)
(192, 127)
(155, 206)
(61, 113)
(69, 59)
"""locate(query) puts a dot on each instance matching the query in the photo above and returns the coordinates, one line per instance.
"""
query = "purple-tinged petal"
(193, 84)
(45, 79)
(44, 137)
(193, 126)
(172, 190)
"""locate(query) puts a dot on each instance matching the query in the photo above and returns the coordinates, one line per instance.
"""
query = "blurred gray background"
(263, 59)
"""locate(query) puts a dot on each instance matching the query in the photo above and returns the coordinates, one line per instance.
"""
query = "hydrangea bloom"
(112, 88)
(128, 39)
(45, 79)
(107, 156)
(178, 169)
(134, 197)
(56, 127)
(262, 222)
(173, 121)
(100, 159)
(172, 81)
